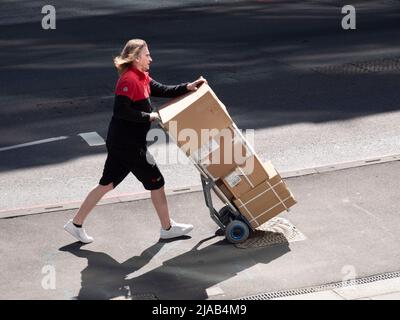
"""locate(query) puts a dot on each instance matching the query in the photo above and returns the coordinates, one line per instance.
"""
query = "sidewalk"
(344, 227)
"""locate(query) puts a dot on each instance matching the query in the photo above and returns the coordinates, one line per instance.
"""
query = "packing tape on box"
(260, 194)
(277, 195)
(245, 176)
(266, 211)
(244, 205)
(247, 144)
(248, 211)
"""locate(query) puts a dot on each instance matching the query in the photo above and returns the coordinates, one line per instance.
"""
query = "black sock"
(77, 225)
(168, 228)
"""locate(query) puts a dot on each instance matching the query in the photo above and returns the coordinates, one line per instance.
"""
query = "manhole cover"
(275, 231)
(390, 65)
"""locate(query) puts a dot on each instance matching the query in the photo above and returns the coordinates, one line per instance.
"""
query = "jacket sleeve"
(123, 110)
(161, 90)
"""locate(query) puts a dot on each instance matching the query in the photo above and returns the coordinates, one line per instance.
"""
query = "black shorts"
(122, 160)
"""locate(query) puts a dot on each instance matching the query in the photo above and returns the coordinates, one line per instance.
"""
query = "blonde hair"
(130, 52)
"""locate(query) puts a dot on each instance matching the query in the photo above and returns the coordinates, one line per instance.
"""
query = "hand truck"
(236, 227)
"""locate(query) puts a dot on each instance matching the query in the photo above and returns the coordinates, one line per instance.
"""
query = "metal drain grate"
(275, 231)
(390, 65)
(324, 287)
(143, 296)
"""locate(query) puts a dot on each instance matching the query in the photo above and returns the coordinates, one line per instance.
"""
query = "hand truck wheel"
(237, 231)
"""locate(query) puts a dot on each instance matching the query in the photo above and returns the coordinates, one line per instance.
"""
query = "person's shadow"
(104, 277)
(187, 276)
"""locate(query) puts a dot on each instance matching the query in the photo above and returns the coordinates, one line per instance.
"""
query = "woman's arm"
(123, 110)
(161, 90)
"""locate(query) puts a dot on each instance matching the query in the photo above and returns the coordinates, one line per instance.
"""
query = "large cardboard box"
(192, 119)
(245, 177)
(265, 201)
(202, 128)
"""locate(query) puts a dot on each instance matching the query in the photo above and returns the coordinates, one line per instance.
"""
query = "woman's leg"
(160, 204)
(170, 228)
(90, 202)
(147, 172)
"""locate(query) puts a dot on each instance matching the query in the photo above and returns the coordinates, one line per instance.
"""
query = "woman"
(126, 139)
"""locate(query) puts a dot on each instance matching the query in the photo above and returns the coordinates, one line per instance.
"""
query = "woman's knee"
(105, 188)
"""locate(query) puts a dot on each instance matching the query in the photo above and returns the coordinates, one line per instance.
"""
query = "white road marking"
(33, 143)
(92, 138)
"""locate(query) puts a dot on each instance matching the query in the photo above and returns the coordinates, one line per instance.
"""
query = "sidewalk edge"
(14, 213)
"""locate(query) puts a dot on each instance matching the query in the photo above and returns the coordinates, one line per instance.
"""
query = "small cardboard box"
(192, 119)
(246, 177)
(265, 201)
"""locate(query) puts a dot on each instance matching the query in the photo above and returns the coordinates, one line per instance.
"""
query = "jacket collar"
(138, 72)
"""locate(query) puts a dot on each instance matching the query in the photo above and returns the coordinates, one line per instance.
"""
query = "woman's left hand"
(193, 86)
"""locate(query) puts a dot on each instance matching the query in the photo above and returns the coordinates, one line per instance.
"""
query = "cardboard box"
(192, 119)
(265, 201)
(202, 128)
(246, 177)
(227, 151)
(224, 190)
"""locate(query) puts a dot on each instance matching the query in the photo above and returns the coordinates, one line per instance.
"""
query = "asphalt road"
(314, 93)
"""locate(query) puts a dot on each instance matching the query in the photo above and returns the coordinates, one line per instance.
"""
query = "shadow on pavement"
(104, 277)
(185, 277)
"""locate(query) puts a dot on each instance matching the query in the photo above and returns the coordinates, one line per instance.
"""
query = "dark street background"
(315, 94)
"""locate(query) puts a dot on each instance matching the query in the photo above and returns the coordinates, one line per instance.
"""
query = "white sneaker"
(78, 233)
(176, 230)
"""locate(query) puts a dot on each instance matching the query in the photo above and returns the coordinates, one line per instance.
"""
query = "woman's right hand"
(154, 116)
